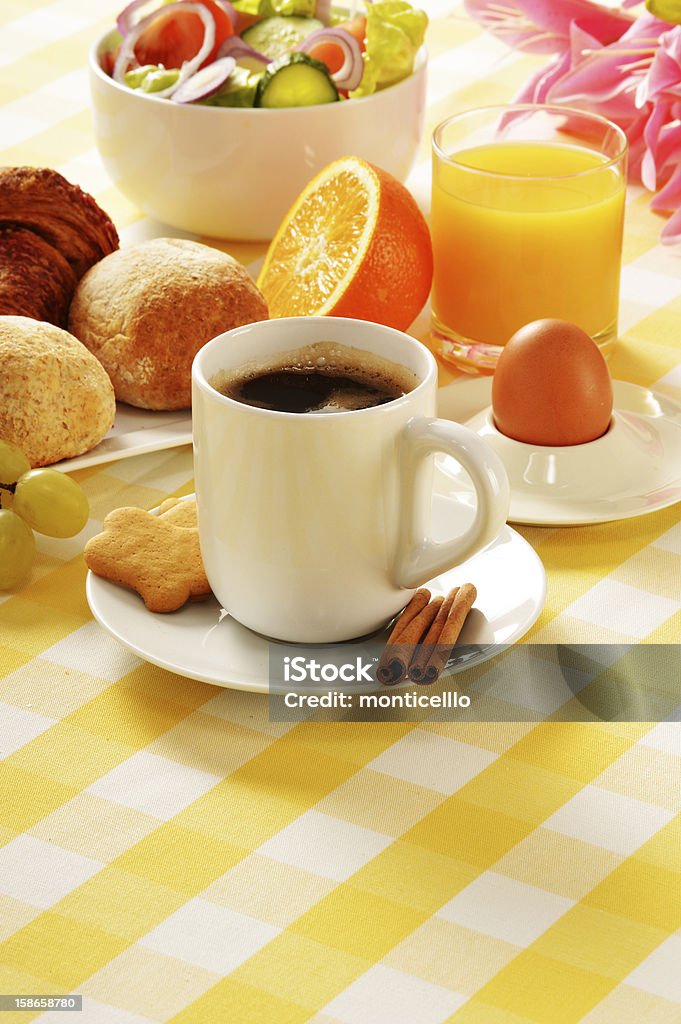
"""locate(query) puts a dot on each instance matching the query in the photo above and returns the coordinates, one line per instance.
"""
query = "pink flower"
(606, 79)
(628, 70)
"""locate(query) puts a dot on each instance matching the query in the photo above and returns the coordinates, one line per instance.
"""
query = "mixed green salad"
(263, 53)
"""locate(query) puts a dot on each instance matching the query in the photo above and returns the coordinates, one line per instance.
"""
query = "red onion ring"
(350, 74)
(125, 20)
(235, 46)
(205, 82)
(126, 55)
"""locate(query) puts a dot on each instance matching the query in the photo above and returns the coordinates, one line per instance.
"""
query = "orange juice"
(525, 230)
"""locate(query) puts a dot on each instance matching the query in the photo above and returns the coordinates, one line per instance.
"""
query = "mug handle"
(419, 558)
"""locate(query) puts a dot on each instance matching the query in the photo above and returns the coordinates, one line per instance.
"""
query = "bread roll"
(145, 312)
(56, 400)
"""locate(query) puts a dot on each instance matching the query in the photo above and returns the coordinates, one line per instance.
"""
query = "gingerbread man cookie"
(158, 559)
(180, 512)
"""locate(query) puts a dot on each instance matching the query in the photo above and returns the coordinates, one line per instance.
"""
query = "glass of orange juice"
(527, 216)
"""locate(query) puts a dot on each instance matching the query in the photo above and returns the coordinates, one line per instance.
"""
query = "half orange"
(353, 244)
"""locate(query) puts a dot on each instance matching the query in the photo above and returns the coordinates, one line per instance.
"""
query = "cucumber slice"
(296, 80)
(278, 35)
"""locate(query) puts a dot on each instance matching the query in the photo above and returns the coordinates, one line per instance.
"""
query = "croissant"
(69, 219)
(35, 279)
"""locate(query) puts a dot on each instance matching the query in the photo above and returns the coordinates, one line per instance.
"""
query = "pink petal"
(580, 41)
(648, 171)
(668, 144)
(669, 198)
(651, 132)
(597, 79)
(606, 77)
(543, 26)
(637, 151)
(513, 28)
(537, 86)
(671, 232)
(604, 23)
(664, 74)
(671, 42)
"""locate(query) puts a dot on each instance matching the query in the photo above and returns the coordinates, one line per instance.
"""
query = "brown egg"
(552, 386)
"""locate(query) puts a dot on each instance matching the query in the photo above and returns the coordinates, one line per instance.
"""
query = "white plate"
(634, 469)
(200, 642)
(135, 432)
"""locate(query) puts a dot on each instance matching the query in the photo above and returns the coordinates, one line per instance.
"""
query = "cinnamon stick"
(461, 605)
(418, 602)
(424, 652)
(394, 663)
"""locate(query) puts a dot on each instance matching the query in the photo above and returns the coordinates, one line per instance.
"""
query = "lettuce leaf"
(296, 8)
(246, 6)
(269, 8)
(238, 91)
(395, 32)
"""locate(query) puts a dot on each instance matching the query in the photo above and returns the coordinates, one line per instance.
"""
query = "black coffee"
(324, 377)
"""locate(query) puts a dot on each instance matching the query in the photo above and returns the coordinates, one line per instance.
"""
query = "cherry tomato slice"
(176, 36)
(357, 27)
(328, 53)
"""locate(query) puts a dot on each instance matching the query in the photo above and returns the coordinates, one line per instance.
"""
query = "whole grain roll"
(56, 400)
(145, 311)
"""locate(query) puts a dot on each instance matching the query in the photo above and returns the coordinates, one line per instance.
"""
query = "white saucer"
(633, 469)
(200, 642)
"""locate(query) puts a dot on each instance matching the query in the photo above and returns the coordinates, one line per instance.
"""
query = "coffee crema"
(323, 377)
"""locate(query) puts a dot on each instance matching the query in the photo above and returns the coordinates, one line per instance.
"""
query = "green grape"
(17, 547)
(13, 463)
(51, 502)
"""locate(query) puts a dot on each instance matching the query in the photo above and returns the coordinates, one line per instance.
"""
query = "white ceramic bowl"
(233, 172)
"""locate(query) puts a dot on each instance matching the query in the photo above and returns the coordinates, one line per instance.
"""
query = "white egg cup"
(632, 469)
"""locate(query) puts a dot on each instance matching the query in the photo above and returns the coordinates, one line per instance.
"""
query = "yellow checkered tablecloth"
(173, 855)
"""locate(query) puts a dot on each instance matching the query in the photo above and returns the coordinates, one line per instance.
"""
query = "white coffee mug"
(314, 527)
